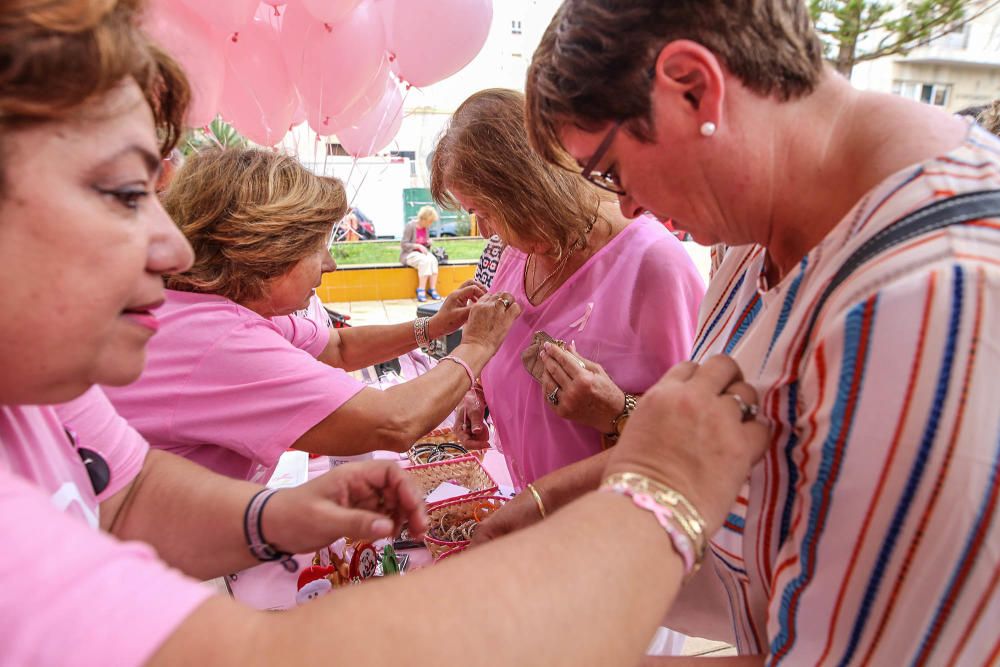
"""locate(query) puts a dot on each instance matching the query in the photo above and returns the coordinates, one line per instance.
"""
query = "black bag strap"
(943, 213)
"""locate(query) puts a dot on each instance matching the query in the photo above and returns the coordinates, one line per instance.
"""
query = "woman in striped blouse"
(869, 532)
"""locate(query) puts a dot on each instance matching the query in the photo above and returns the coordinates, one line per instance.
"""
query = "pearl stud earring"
(707, 129)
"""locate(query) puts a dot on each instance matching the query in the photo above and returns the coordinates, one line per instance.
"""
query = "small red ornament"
(364, 562)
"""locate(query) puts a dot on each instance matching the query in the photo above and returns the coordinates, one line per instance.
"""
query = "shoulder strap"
(942, 213)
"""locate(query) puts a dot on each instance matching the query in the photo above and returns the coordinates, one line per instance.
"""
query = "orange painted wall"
(381, 283)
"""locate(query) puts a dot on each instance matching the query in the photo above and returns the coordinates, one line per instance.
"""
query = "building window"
(515, 27)
(955, 40)
(936, 94)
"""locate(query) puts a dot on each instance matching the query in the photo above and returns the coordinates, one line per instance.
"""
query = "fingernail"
(545, 345)
(381, 526)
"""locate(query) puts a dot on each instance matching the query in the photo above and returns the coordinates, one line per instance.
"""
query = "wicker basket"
(458, 509)
(466, 471)
(441, 436)
(437, 436)
(451, 552)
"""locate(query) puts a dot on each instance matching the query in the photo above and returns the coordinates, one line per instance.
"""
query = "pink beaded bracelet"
(461, 362)
(665, 517)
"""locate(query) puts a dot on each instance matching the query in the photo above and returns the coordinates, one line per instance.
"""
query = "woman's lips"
(143, 318)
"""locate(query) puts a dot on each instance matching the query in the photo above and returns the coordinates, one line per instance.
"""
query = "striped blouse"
(869, 532)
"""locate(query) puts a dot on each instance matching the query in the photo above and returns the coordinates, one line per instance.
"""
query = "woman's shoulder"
(208, 317)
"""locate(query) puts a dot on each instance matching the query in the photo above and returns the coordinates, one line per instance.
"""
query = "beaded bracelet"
(260, 548)
(420, 331)
(675, 514)
(461, 362)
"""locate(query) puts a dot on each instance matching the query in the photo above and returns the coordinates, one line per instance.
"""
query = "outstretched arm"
(194, 517)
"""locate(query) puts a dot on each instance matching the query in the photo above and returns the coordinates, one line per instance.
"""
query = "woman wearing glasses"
(620, 292)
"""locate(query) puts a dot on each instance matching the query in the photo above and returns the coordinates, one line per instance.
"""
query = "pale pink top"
(631, 308)
(73, 595)
(229, 389)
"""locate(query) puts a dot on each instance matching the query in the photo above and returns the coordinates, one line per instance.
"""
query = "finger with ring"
(747, 411)
(553, 396)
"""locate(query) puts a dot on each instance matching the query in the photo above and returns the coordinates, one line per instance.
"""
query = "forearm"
(569, 606)
(563, 486)
(192, 516)
(393, 419)
(359, 347)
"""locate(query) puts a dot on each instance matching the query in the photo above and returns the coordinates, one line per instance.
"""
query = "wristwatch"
(618, 423)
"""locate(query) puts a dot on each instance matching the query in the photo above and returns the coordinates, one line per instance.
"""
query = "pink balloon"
(324, 123)
(459, 29)
(258, 97)
(377, 128)
(223, 15)
(269, 14)
(330, 11)
(333, 65)
(300, 116)
(191, 42)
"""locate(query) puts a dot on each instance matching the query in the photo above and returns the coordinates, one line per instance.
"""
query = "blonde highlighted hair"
(484, 154)
(427, 213)
(251, 215)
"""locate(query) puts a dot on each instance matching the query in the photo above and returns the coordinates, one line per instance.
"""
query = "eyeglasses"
(605, 180)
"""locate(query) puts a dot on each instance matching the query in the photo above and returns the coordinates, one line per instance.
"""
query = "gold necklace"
(562, 263)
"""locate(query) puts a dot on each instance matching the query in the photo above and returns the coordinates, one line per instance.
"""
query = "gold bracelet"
(420, 332)
(683, 512)
(538, 498)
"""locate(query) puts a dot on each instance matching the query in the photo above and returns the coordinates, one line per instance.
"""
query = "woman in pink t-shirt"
(233, 377)
(621, 293)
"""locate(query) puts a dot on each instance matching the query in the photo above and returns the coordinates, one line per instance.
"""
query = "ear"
(687, 71)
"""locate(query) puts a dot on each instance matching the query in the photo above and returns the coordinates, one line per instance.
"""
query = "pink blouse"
(631, 308)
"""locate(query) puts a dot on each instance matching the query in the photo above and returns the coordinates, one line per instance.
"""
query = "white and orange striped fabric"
(869, 533)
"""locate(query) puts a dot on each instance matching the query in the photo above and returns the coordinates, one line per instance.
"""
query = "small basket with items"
(454, 522)
(439, 445)
(466, 472)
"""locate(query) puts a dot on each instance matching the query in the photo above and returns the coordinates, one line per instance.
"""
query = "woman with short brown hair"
(232, 378)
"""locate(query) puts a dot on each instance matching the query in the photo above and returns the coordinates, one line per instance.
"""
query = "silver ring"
(553, 398)
(505, 302)
(747, 411)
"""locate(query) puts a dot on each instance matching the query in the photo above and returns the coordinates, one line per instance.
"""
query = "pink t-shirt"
(421, 236)
(631, 308)
(97, 426)
(73, 595)
(229, 389)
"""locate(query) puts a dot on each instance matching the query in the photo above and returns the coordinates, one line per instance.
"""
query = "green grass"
(387, 252)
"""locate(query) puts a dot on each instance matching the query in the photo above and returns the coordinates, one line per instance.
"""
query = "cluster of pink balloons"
(338, 64)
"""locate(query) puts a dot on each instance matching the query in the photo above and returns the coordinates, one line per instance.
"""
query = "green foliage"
(858, 30)
(217, 133)
(387, 252)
